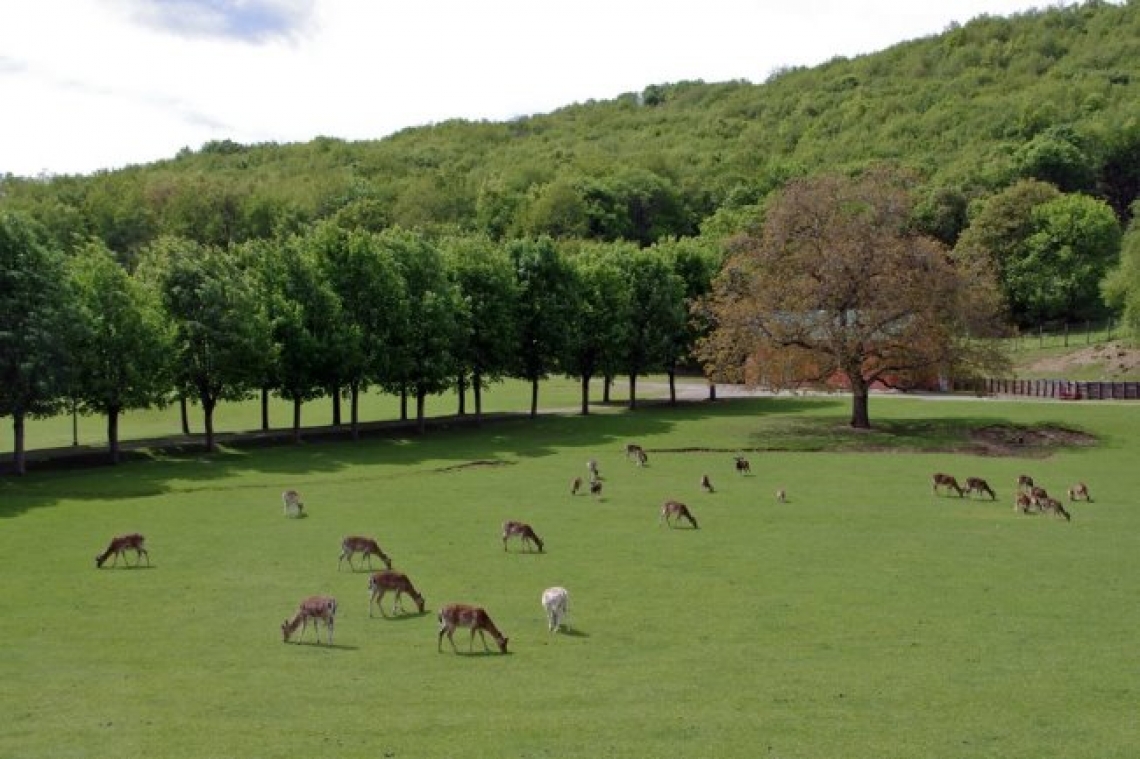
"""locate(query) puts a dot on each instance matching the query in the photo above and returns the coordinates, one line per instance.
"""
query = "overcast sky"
(100, 84)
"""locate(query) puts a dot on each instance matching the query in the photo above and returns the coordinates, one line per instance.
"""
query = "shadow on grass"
(322, 646)
(572, 632)
(407, 616)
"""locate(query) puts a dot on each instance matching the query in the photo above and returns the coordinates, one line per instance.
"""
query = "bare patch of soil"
(1011, 440)
(1115, 359)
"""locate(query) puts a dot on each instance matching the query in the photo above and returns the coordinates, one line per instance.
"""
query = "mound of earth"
(1011, 440)
(1115, 359)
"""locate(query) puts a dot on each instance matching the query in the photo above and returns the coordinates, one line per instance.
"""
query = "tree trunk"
(585, 395)
(712, 391)
(534, 398)
(19, 455)
(185, 414)
(477, 391)
(336, 406)
(265, 409)
(860, 419)
(461, 389)
(354, 409)
(296, 419)
(672, 387)
(113, 434)
(607, 381)
(421, 418)
(632, 391)
(208, 419)
(403, 402)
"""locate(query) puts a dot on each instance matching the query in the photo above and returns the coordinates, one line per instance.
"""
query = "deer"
(633, 451)
(575, 485)
(1053, 506)
(315, 608)
(522, 531)
(1024, 482)
(355, 544)
(596, 488)
(706, 484)
(592, 468)
(742, 465)
(120, 545)
(979, 486)
(642, 458)
(945, 481)
(1023, 502)
(293, 505)
(671, 511)
(474, 618)
(1038, 495)
(781, 496)
(1080, 492)
(555, 601)
(381, 582)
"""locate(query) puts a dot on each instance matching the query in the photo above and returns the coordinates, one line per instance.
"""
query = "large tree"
(657, 316)
(33, 315)
(1122, 285)
(222, 336)
(839, 285)
(597, 336)
(119, 340)
(544, 309)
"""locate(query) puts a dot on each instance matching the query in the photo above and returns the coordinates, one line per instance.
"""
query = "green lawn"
(863, 618)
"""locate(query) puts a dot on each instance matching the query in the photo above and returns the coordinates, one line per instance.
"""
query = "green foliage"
(1122, 284)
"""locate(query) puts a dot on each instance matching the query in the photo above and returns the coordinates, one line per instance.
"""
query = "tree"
(544, 314)
(33, 315)
(657, 316)
(1122, 284)
(486, 339)
(118, 340)
(696, 261)
(222, 338)
(839, 284)
(599, 331)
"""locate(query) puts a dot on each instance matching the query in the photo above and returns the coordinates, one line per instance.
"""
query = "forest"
(578, 242)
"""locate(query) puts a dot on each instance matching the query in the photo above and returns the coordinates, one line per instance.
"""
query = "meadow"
(865, 617)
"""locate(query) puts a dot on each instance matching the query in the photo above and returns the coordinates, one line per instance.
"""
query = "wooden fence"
(1060, 389)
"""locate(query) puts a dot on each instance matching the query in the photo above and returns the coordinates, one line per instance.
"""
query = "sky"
(88, 85)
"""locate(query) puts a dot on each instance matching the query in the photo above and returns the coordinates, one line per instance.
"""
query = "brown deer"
(979, 486)
(522, 531)
(671, 511)
(575, 485)
(633, 451)
(1024, 482)
(1023, 503)
(742, 465)
(1080, 492)
(316, 609)
(381, 582)
(781, 496)
(706, 484)
(945, 481)
(120, 545)
(293, 505)
(592, 468)
(596, 488)
(1053, 506)
(1038, 495)
(355, 544)
(472, 617)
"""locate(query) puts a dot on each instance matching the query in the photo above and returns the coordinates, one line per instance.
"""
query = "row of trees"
(330, 312)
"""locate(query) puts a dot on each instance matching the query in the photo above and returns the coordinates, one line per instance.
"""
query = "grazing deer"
(1038, 495)
(781, 496)
(556, 602)
(592, 468)
(293, 505)
(642, 458)
(381, 582)
(316, 609)
(742, 465)
(355, 544)
(1080, 492)
(472, 617)
(596, 488)
(1053, 506)
(706, 484)
(575, 485)
(1024, 482)
(945, 481)
(1023, 503)
(522, 531)
(633, 451)
(671, 511)
(979, 486)
(120, 545)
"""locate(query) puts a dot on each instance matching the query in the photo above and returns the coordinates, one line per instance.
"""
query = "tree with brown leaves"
(839, 286)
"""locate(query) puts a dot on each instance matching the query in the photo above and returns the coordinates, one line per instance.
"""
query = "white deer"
(556, 602)
(293, 505)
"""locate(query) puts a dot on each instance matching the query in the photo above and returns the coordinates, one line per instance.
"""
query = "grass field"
(863, 618)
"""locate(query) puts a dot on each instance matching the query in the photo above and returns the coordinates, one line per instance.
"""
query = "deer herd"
(1029, 498)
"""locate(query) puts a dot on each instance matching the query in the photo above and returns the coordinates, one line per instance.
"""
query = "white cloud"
(91, 84)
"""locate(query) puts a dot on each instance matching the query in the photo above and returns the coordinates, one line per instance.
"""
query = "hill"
(1051, 94)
